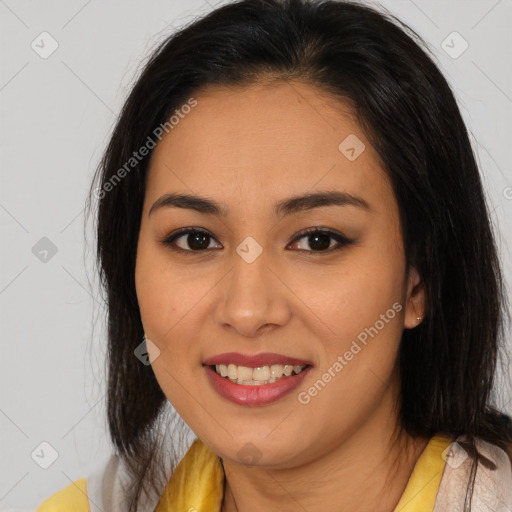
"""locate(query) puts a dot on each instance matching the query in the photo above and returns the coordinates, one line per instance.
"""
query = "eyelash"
(342, 240)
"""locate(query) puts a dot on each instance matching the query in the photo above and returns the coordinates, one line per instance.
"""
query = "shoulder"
(102, 489)
(492, 490)
(72, 497)
(105, 488)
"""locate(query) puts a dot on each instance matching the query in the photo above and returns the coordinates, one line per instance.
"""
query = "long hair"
(408, 111)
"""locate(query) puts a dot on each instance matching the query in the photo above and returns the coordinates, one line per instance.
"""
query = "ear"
(415, 300)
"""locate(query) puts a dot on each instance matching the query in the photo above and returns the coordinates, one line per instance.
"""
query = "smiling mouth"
(257, 376)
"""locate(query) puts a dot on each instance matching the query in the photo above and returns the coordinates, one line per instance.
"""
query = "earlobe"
(415, 300)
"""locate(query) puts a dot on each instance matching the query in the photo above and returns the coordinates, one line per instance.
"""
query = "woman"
(292, 222)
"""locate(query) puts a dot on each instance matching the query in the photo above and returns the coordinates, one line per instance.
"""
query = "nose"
(252, 298)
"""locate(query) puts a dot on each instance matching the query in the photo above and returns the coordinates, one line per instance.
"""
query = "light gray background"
(56, 114)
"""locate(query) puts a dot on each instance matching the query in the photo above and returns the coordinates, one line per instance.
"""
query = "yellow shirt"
(197, 483)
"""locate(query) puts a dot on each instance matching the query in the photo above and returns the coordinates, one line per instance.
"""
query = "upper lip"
(254, 361)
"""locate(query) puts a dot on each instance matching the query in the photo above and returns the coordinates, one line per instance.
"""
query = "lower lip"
(255, 394)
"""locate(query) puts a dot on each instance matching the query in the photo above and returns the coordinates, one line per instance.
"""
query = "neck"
(369, 467)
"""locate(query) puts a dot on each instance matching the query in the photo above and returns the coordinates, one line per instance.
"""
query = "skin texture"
(247, 148)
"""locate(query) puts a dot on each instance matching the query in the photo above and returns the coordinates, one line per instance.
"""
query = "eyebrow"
(285, 207)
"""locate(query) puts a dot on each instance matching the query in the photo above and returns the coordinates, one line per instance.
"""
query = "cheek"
(361, 308)
(164, 293)
(165, 304)
(171, 299)
(352, 295)
(364, 313)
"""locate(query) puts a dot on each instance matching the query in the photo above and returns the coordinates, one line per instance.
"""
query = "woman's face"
(252, 283)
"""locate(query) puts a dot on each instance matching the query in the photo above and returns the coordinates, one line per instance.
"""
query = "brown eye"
(319, 240)
(191, 240)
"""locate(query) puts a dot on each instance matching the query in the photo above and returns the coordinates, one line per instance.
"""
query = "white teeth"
(288, 369)
(260, 374)
(257, 376)
(276, 371)
(244, 373)
(232, 372)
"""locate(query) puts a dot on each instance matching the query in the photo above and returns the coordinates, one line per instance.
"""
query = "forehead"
(265, 141)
